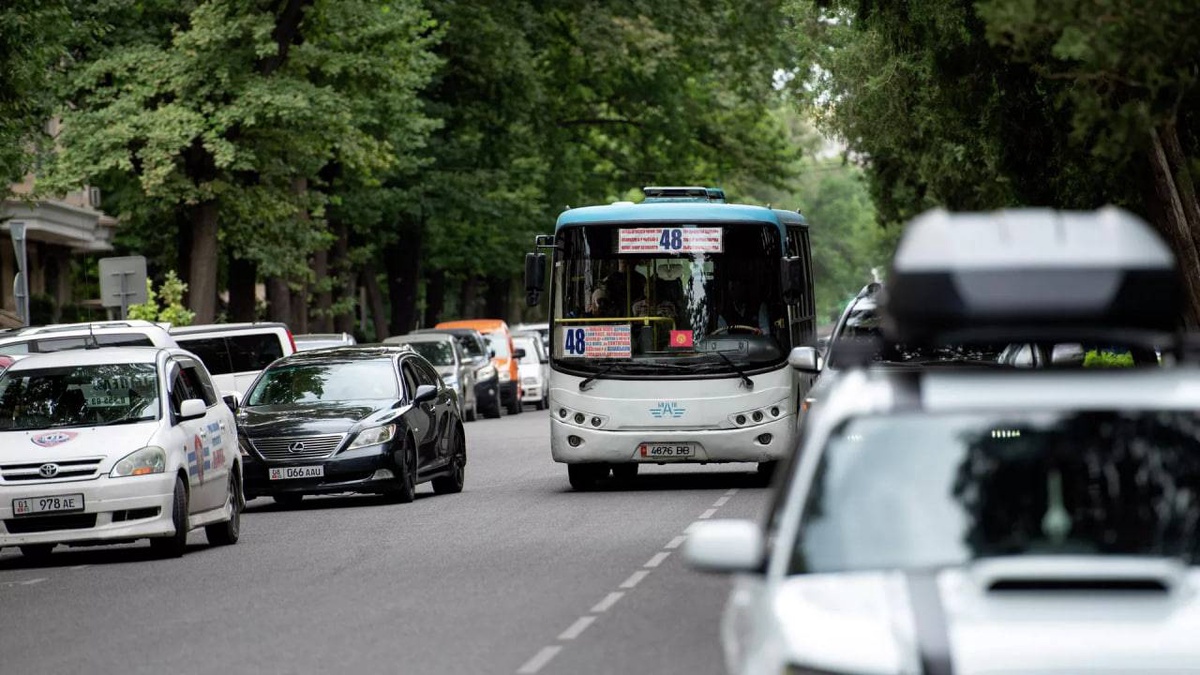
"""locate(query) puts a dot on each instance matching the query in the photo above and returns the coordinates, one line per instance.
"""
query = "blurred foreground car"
(987, 521)
(356, 419)
(104, 446)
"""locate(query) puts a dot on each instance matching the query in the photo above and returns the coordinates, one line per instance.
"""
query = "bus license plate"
(56, 504)
(288, 472)
(666, 450)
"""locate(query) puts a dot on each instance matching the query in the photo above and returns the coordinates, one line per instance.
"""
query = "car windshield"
(498, 343)
(76, 396)
(289, 383)
(439, 353)
(916, 491)
(711, 307)
(531, 353)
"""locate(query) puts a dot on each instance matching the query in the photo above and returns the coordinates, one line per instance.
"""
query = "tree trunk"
(1177, 161)
(497, 298)
(243, 300)
(300, 299)
(1173, 224)
(202, 275)
(435, 297)
(347, 288)
(370, 282)
(279, 300)
(402, 262)
(322, 319)
(470, 296)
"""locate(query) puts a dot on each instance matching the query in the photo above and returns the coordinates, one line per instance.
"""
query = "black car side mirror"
(231, 400)
(519, 353)
(425, 392)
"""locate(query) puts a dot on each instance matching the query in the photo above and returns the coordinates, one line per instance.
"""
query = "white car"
(112, 445)
(235, 353)
(533, 369)
(63, 336)
(993, 521)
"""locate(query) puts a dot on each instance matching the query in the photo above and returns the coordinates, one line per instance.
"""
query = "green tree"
(164, 305)
(226, 113)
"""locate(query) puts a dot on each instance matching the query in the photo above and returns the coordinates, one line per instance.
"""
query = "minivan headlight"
(374, 436)
(148, 460)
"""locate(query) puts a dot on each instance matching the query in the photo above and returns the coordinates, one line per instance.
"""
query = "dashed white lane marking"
(539, 660)
(657, 559)
(707, 514)
(577, 628)
(27, 582)
(676, 542)
(608, 601)
(721, 502)
(32, 582)
(81, 567)
(731, 492)
(635, 579)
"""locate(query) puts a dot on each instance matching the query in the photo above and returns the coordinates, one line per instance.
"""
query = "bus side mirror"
(535, 277)
(792, 278)
(805, 360)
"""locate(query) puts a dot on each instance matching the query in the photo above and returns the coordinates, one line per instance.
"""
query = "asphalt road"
(517, 574)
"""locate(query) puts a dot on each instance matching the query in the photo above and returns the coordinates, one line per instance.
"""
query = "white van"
(64, 336)
(235, 353)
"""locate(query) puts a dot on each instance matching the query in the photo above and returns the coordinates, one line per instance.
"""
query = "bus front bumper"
(575, 444)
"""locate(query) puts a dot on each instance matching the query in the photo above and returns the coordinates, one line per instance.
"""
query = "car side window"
(180, 391)
(410, 379)
(198, 383)
(426, 374)
(254, 352)
(213, 353)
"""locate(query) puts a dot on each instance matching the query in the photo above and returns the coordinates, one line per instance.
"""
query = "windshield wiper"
(587, 382)
(749, 383)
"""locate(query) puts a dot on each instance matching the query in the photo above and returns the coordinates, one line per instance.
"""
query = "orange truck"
(500, 342)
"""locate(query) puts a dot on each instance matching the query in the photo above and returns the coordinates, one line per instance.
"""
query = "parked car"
(487, 379)
(59, 337)
(533, 366)
(112, 445)
(499, 340)
(542, 330)
(235, 353)
(359, 419)
(311, 341)
(456, 370)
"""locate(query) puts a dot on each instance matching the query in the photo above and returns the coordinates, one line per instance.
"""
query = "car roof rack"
(683, 194)
(1030, 274)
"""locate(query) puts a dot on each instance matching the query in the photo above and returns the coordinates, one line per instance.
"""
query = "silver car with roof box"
(959, 520)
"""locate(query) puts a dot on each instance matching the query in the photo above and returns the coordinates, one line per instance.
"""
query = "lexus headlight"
(486, 373)
(374, 436)
(146, 461)
(505, 376)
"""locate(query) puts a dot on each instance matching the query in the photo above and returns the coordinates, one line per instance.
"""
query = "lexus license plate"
(666, 451)
(289, 472)
(55, 504)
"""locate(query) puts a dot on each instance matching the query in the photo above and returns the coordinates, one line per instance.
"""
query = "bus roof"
(684, 212)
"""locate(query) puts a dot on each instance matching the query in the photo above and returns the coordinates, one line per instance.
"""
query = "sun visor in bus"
(1020, 272)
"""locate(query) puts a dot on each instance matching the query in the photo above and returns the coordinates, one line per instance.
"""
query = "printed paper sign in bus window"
(670, 240)
(597, 342)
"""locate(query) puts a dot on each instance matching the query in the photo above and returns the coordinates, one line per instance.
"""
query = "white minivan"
(235, 353)
(113, 445)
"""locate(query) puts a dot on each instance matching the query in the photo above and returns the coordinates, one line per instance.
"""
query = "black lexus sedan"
(350, 419)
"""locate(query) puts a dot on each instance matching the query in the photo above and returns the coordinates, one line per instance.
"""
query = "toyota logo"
(298, 446)
(48, 470)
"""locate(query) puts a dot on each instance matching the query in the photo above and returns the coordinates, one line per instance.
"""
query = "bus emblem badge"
(667, 410)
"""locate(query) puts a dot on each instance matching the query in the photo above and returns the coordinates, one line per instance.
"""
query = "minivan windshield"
(919, 491)
(77, 396)
(498, 342)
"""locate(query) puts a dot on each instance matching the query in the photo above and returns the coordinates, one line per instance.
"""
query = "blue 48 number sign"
(575, 342)
(671, 240)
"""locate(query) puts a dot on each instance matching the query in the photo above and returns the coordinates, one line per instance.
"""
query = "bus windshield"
(709, 301)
